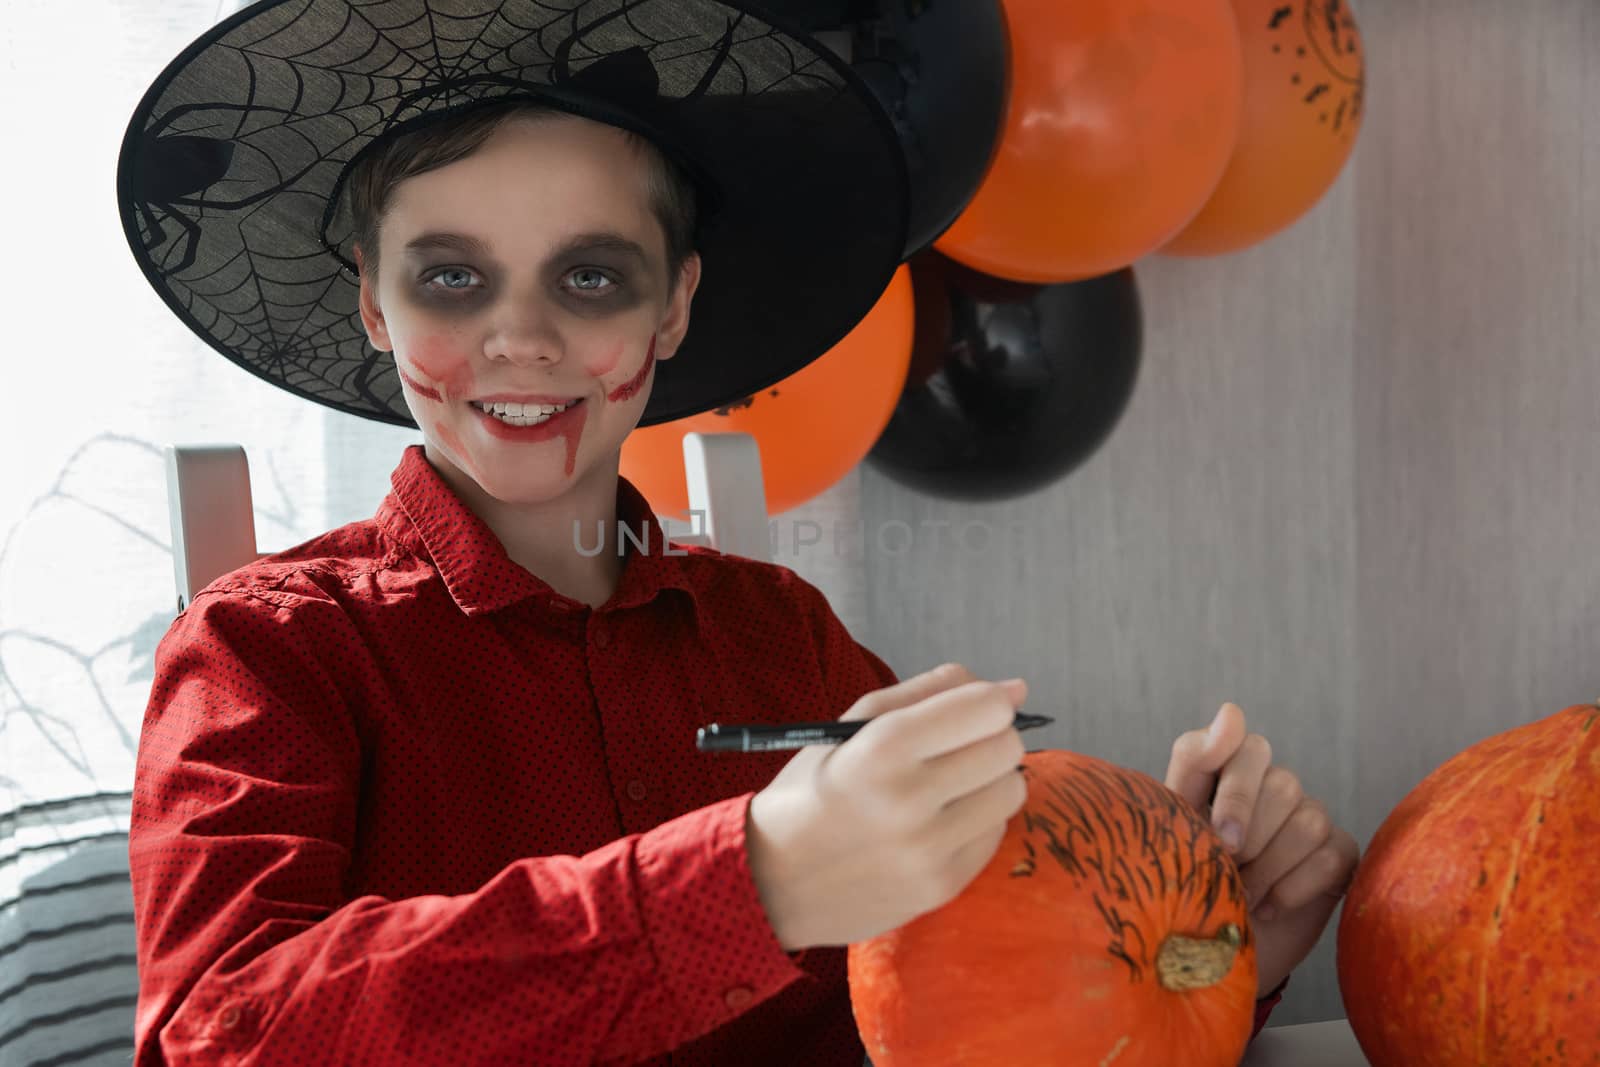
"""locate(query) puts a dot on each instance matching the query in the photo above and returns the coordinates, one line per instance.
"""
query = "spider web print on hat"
(230, 182)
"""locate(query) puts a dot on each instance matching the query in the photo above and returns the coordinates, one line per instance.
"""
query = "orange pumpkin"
(1110, 927)
(1471, 932)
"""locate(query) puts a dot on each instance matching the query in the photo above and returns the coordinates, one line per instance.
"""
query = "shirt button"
(230, 1017)
(738, 997)
(601, 639)
(636, 790)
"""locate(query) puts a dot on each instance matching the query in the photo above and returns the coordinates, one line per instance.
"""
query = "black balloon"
(1012, 386)
(941, 70)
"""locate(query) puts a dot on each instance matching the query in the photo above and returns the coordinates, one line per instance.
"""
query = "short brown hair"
(373, 180)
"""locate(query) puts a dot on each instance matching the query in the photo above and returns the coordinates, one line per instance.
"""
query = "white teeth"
(522, 414)
(525, 410)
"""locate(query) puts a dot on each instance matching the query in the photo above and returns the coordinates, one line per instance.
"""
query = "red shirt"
(398, 801)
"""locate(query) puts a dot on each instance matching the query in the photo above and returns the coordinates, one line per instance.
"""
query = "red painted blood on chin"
(567, 424)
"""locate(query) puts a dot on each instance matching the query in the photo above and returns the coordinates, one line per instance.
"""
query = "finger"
(1234, 802)
(954, 774)
(981, 813)
(944, 722)
(1198, 755)
(972, 857)
(1323, 878)
(1280, 796)
(1303, 833)
(903, 694)
(910, 691)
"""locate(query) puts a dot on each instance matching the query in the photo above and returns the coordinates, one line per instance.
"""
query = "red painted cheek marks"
(605, 364)
(437, 363)
(630, 388)
(417, 387)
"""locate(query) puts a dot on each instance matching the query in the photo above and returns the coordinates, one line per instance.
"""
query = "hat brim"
(234, 154)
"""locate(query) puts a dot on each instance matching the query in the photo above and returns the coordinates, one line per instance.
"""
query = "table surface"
(1326, 1044)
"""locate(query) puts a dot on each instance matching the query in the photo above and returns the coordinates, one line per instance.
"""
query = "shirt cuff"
(716, 949)
(1264, 1006)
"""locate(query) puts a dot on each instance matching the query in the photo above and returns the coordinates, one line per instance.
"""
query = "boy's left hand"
(1296, 864)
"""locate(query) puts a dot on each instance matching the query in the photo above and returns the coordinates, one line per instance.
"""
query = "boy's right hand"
(852, 840)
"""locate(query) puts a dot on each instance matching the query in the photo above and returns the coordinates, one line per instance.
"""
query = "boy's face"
(533, 270)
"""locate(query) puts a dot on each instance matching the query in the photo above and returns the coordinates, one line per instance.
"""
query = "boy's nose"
(524, 337)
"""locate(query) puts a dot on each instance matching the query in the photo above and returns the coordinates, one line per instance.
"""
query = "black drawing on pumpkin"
(1153, 831)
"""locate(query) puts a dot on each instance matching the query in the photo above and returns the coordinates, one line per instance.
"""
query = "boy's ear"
(371, 316)
(676, 325)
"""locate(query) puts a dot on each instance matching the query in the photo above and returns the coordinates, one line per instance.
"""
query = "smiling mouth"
(524, 414)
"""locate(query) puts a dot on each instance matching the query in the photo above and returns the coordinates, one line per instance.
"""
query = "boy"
(423, 789)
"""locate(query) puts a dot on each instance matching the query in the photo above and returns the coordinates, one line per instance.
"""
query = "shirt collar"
(482, 577)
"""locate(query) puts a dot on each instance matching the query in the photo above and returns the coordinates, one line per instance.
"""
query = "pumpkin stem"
(1194, 963)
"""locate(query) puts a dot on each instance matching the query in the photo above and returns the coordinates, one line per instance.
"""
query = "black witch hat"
(232, 172)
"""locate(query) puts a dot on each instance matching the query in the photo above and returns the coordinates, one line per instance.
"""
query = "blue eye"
(443, 272)
(586, 281)
(589, 280)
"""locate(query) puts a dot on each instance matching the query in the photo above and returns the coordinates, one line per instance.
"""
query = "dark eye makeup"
(593, 283)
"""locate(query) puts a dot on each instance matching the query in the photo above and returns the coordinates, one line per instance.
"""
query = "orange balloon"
(1121, 119)
(1305, 82)
(813, 427)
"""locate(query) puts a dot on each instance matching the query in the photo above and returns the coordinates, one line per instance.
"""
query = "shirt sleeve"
(250, 950)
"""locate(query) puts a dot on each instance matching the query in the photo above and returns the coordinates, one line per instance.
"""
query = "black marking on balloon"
(1332, 39)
